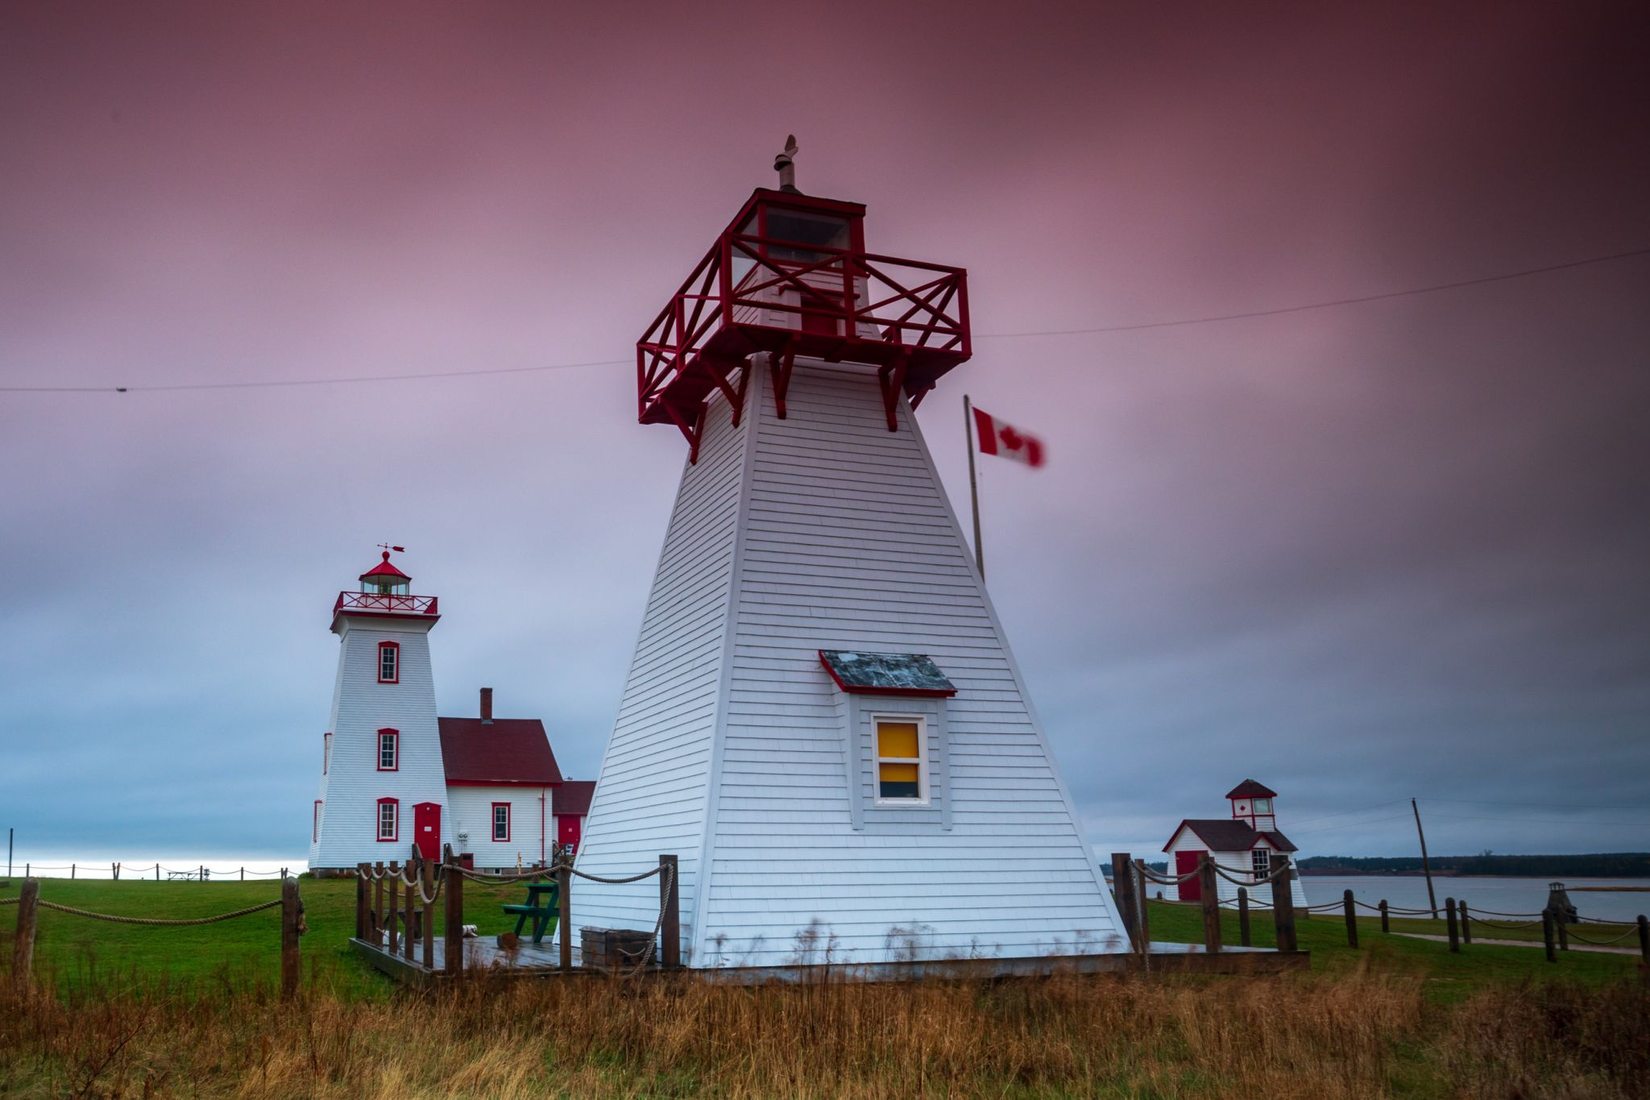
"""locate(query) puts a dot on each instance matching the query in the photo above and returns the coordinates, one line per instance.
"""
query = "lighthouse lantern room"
(822, 718)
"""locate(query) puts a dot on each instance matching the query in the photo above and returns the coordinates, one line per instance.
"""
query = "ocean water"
(1506, 895)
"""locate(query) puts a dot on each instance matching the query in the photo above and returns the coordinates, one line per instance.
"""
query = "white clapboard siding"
(532, 826)
(352, 784)
(734, 749)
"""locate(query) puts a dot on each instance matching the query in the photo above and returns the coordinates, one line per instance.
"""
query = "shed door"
(427, 829)
(1184, 862)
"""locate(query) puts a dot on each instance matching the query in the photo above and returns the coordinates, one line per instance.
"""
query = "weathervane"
(785, 166)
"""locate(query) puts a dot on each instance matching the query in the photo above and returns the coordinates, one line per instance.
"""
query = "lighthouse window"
(900, 760)
(389, 750)
(389, 663)
(501, 821)
(1263, 805)
(1261, 861)
(389, 819)
(315, 823)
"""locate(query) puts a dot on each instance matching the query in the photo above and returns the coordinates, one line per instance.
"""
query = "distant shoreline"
(1635, 865)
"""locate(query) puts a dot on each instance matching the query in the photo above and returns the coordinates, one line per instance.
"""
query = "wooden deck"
(544, 961)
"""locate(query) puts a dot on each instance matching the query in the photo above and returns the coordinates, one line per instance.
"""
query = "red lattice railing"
(385, 602)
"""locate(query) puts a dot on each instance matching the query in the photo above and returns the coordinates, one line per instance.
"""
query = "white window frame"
(326, 752)
(392, 738)
(1257, 858)
(506, 807)
(394, 663)
(394, 806)
(924, 785)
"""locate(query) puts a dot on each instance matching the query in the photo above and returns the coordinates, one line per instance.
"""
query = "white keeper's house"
(823, 719)
(1243, 844)
(394, 774)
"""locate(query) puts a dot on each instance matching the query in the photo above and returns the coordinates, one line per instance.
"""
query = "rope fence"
(119, 869)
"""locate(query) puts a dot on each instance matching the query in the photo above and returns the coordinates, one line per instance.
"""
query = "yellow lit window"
(900, 760)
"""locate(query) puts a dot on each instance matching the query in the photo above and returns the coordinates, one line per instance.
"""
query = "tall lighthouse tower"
(823, 719)
(382, 780)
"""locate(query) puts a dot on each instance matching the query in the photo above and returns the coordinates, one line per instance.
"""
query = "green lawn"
(242, 952)
(1449, 975)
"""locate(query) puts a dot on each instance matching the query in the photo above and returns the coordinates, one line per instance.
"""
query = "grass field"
(140, 1011)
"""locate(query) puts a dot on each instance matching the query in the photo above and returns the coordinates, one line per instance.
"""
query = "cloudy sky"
(1361, 553)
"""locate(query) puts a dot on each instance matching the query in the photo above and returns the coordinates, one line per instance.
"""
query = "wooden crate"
(615, 948)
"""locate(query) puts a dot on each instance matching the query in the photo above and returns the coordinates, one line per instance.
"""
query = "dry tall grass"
(1351, 1036)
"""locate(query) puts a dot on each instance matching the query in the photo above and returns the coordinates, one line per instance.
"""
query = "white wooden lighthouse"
(382, 780)
(822, 718)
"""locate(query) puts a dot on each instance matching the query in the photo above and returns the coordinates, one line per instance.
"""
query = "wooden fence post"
(1243, 915)
(1283, 905)
(1644, 940)
(670, 948)
(394, 872)
(564, 918)
(426, 886)
(1454, 925)
(1209, 890)
(454, 946)
(1142, 914)
(291, 962)
(243, 873)
(409, 910)
(1466, 921)
(1386, 923)
(114, 872)
(1561, 920)
(1547, 934)
(378, 904)
(362, 870)
(1350, 905)
(1122, 890)
(22, 947)
(71, 872)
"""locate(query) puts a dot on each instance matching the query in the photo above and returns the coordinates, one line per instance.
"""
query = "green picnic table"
(543, 905)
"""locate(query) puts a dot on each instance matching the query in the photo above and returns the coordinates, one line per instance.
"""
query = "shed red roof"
(505, 751)
(1250, 789)
(573, 796)
(1223, 834)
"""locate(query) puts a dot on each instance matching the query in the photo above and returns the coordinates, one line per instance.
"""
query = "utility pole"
(973, 484)
(1426, 867)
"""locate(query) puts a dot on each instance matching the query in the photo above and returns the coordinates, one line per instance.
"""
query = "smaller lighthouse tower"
(382, 779)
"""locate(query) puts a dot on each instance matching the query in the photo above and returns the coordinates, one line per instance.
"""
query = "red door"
(427, 829)
(567, 830)
(1184, 863)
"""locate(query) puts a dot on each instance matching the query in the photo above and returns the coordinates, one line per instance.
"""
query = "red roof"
(573, 796)
(1224, 834)
(504, 751)
(385, 569)
(1250, 789)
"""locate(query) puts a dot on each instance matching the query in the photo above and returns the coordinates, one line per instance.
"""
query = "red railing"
(747, 296)
(384, 602)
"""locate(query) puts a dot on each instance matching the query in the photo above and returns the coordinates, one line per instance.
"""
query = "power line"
(272, 382)
(1329, 304)
(1132, 327)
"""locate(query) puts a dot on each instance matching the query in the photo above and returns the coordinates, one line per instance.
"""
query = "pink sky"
(1360, 553)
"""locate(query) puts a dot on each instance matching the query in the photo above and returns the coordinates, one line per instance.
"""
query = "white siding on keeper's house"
(532, 828)
(830, 532)
(352, 784)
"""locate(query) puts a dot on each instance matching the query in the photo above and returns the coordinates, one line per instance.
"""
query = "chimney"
(486, 706)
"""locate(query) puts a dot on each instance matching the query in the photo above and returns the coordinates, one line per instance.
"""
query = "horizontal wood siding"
(361, 706)
(848, 543)
(650, 797)
(470, 810)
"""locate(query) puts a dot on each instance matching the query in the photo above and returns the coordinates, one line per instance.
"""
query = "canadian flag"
(998, 438)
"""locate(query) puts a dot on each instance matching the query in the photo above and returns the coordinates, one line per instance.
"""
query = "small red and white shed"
(1243, 845)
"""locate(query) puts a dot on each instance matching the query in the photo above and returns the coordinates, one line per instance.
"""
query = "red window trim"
(315, 823)
(378, 749)
(508, 823)
(378, 819)
(396, 646)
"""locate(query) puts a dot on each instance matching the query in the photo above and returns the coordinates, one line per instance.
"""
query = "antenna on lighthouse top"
(785, 166)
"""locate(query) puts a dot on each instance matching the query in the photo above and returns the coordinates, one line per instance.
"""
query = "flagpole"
(973, 484)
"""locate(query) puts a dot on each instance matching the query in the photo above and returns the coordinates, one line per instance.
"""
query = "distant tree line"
(1595, 865)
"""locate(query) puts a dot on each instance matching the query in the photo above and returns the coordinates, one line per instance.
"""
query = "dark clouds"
(1358, 553)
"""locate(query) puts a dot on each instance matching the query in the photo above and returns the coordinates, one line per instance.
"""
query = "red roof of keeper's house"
(573, 796)
(503, 752)
(1223, 834)
(1250, 789)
